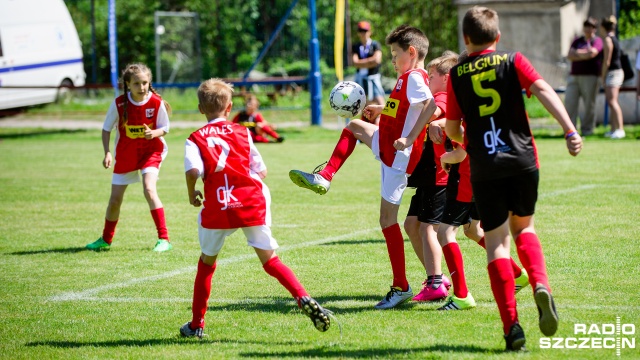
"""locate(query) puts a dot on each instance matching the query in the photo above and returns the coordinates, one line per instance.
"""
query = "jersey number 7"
(212, 142)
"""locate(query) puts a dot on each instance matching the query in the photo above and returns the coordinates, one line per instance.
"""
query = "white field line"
(91, 293)
(567, 191)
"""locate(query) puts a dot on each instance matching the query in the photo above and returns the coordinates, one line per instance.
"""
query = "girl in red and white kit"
(141, 118)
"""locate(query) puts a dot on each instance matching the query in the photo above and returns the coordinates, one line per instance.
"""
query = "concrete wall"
(543, 31)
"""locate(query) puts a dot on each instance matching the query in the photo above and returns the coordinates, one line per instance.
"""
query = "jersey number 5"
(212, 142)
(477, 80)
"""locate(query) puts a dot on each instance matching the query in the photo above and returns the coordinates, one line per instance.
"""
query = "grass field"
(60, 301)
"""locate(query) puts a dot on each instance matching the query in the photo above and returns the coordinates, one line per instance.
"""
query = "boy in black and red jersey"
(430, 181)
(396, 143)
(486, 91)
(223, 155)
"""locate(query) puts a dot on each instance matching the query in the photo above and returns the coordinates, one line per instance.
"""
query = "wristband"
(570, 134)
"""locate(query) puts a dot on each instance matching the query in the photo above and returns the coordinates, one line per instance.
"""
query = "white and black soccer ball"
(347, 99)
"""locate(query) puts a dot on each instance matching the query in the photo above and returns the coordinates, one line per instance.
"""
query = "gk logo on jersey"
(225, 196)
(492, 140)
(391, 109)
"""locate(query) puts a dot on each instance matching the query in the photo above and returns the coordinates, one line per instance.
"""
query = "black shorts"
(496, 198)
(456, 212)
(428, 204)
(473, 213)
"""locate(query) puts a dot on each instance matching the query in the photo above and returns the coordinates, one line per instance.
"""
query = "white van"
(39, 47)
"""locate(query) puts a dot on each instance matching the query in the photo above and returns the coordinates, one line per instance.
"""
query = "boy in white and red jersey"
(223, 155)
(396, 143)
(142, 119)
(485, 91)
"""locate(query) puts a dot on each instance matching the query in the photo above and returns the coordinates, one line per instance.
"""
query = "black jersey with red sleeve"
(486, 91)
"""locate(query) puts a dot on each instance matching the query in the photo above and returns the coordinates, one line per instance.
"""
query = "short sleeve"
(162, 121)
(192, 157)
(527, 74)
(111, 119)
(453, 108)
(417, 89)
(256, 164)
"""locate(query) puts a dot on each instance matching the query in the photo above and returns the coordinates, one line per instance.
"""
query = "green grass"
(59, 301)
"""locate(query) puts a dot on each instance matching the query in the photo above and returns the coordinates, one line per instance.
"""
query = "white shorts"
(211, 240)
(132, 177)
(614, 78)
(393, 181)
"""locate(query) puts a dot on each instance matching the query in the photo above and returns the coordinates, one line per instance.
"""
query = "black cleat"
(515, 339)
(548, 317)
(319, 315)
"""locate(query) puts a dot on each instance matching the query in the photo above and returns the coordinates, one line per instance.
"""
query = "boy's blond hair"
(481, 25)
(405, 36)
(444, 63)
(214, 95)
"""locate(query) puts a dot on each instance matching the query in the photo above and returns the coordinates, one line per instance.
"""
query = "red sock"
(260, 139)
(109, 230)
(395, 247)
(285, 276)
(502, 285)
(201, 293)
(161, 225)
(517, 271)
(532, 258)
(267, 129)
(453, 257)
(341, 152)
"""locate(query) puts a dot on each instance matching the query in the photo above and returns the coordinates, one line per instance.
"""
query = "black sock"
(434, 280)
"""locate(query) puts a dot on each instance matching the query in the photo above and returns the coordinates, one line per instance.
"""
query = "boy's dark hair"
(480, 24)
(463, 56)
(405, 36)
(609, 23)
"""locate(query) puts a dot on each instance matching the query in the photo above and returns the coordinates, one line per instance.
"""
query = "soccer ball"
(347, 99)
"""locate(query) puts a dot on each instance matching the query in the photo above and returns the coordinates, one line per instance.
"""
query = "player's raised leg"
(319, 180)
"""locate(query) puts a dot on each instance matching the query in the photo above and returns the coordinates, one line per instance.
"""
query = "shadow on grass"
(286, 305)
(355, 242)
(326, 352)
(51, 251)
(177, 340)
(38, 132)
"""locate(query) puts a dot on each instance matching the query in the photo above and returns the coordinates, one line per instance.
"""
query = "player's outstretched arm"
(551, 101)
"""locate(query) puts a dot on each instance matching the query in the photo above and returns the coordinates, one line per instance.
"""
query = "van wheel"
(64, 92)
